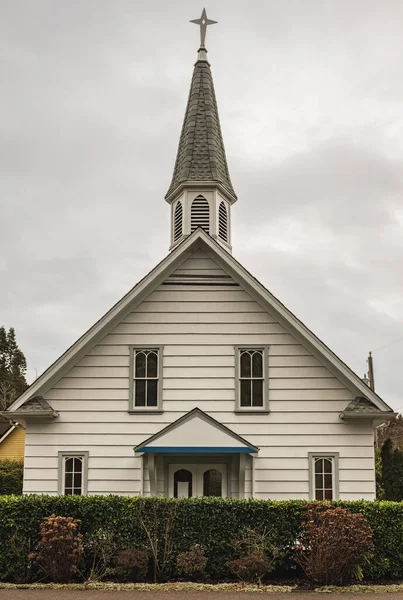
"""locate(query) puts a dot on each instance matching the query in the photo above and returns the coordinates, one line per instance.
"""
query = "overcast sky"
(310, 93)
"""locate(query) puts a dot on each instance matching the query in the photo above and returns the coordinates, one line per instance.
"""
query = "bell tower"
(201, 192)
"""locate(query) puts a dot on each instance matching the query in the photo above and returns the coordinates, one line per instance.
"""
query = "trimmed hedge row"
(210, 522)
(11, 475)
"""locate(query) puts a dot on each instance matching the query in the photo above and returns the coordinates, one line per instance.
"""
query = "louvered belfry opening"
(223, 222)
(178, 221)
(200, 214)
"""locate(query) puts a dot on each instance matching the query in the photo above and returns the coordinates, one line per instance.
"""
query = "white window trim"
(334, 456)
(62, 455)
(145, 409)
(252, 409)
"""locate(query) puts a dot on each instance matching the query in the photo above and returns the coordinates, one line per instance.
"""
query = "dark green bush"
(131, 564)
(211, 522)
(11, 474)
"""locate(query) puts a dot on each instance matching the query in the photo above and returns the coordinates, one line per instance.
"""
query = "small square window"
(251, 379)
(145, 379)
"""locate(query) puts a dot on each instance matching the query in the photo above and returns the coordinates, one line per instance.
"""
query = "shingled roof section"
(361, 407)
(201, 153)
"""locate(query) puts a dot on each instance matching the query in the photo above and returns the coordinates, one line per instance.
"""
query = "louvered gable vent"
(223, 222)
(200, 214)
(178, 219)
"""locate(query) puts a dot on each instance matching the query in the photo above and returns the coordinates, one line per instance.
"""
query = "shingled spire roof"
(201, 155)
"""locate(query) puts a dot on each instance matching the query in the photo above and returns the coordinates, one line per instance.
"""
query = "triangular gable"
(201, 240)
(196, 432)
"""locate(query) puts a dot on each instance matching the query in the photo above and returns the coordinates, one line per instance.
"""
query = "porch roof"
(196, 432)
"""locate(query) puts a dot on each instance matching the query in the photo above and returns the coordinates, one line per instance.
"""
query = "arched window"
(183, 484)
(178, 219)
(223, 222)
(212, 483)
(323, 479)
(73, 475)
(200, 214)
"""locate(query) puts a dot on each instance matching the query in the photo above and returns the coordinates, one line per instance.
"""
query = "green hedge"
(11, 474)
(211, 522)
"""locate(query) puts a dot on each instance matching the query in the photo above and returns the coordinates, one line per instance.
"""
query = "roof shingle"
(201, 153)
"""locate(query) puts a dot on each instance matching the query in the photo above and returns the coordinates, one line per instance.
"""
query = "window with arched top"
(212, 483)
(323, 478)
(178, 220)
(73, 475)
(223, 222)
(200, 214)
(183, 480)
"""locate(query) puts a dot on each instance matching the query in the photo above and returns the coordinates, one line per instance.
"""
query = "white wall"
(199, 327)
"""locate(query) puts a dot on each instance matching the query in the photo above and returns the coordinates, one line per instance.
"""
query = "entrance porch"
(195, 456)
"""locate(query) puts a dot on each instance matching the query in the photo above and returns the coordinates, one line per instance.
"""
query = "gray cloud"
(93, 95)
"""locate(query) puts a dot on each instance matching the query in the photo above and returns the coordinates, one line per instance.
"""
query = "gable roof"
(199, 239)
(207, 435)
(201, 154)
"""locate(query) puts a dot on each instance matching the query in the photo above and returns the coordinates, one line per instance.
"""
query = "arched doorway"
(183, 483)
(212, 483)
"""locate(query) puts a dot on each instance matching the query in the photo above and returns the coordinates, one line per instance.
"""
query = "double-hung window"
(251, 375)
(145, 377)
(324, 475)
(73, 473)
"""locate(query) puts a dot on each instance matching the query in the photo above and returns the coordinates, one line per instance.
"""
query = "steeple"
(201, 192)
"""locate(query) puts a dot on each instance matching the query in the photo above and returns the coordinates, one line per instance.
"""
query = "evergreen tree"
(13, 367)
(392, 471)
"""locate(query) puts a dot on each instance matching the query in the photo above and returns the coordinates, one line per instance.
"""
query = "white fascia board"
(101, 328)
(7, 433)
(286, 318)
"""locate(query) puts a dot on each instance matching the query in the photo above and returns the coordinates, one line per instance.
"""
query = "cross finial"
(203, 22)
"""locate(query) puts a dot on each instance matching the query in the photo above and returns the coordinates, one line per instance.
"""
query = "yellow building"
(12, 442)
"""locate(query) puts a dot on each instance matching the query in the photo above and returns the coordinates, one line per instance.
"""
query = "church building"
(199, 382)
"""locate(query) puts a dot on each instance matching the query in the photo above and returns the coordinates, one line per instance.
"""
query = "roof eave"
(347, 415)
(201, 184)
(27, 415)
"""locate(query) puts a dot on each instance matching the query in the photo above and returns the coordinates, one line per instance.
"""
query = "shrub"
(60, 549)
(132, 564)
(11, 476)
(258, 555)
(333, 544)
(252, 567)
(99, 549)
(193, 562)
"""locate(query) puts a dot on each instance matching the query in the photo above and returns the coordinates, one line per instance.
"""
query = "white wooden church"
(199, 381)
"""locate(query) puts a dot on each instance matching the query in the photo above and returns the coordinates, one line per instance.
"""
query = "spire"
(201, 155)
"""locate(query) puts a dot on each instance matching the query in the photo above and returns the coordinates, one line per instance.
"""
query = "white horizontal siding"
(260, 440)
(199, 328)
(94, 413)
(261, 430)
(133, 320)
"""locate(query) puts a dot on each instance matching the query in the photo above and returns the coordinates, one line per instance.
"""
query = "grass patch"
(153, 587)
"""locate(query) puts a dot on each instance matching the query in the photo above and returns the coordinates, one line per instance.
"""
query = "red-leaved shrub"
(60, 549)
(193, 562)
(333, 544)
